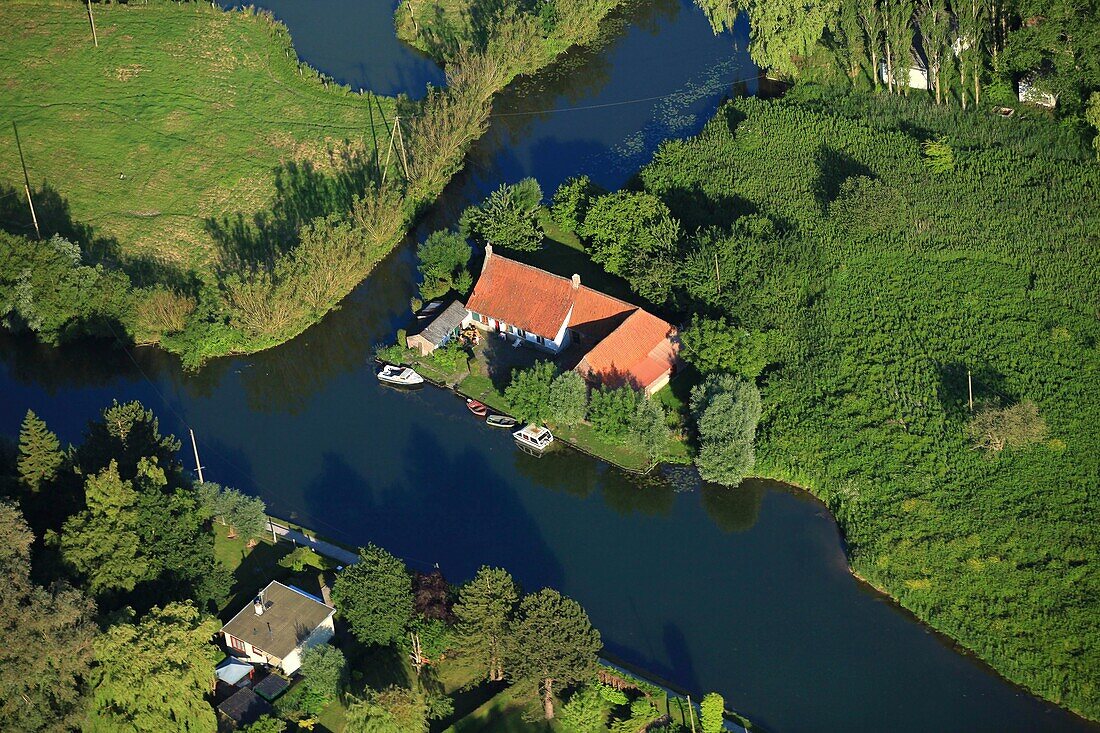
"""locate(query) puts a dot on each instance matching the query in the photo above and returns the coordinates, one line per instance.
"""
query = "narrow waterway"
(746, 592)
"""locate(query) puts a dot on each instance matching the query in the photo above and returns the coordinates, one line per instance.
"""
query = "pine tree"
(40, 455)
(553, 645)
(484, 611)
(375, 597)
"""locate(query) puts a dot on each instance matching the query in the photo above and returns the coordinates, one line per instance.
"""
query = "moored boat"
(477, 408)
(399, 376)
(500, 421)
(534, 437)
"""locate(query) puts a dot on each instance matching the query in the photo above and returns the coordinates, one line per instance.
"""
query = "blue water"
(746, 592)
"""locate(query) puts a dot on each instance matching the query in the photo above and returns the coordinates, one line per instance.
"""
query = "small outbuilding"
(245, 707)
(233, 671)
(440, 330)
(278, 626)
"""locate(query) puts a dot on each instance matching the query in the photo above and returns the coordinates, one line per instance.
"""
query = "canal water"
(742, 591)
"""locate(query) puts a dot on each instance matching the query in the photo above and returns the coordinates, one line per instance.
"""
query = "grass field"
(182, 119)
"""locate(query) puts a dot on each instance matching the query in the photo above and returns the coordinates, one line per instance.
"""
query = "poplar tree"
(40, 455)
(553, 645)
(484, 611)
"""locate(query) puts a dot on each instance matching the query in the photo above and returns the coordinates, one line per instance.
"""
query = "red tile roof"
(638, 352)
(631, 345)
(521, 295)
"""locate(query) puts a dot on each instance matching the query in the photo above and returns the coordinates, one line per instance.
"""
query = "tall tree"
(727, 410)
(567, 400)
(632, 233)
(40, 455)
(508, 217)
(47, 640)
(484, 611)
(934, 23)
(103, 542)
(528, 394)
(154, 674)
(375, 597)
(125, 434)
(553, 644)
(711, 711)
(443, 257)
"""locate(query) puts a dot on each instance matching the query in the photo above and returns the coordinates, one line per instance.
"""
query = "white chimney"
(576, 281)
(258, 605)
(488, 255)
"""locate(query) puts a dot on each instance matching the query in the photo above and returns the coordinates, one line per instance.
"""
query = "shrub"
(727, 410)
(612, 411)
(1017, 426)
(443, 258)
(529, 392)
(508, 217)
(567, 400)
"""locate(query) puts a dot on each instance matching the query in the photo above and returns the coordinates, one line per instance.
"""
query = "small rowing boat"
(477, 408)
(399, 376)
(500, 421)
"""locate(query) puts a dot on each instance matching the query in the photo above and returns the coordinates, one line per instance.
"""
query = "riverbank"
(223, 257)
(260, 561)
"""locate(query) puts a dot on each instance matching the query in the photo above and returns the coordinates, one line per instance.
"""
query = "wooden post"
(691, 714)
(195, 447)
(970, 390)
(396, 137)
(91, 19)
(401, 147)
(26, 181)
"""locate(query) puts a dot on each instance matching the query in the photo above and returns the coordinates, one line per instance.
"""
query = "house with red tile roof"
(622, 343)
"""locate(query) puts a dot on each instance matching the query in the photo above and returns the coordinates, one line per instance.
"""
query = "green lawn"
(180, 118)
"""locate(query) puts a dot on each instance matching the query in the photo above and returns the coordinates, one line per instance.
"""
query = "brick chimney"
(488, 256)
(576, 281)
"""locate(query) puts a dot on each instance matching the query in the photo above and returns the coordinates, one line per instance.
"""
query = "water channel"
(746, 592)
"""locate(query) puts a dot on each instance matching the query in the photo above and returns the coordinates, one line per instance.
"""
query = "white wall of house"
(243, 650)
(291, 662)
(495, 326)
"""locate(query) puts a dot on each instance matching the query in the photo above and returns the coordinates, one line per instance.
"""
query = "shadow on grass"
(55, 218)
(302, 193)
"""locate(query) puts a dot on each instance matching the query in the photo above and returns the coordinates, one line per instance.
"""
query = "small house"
(440, 329)
(618, 342)
(278, 626)
(1031, 91)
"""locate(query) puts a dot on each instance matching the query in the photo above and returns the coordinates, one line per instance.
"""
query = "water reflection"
(736, 509)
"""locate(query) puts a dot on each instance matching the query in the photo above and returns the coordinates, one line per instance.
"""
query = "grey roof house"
(440, 330)
(280, 624)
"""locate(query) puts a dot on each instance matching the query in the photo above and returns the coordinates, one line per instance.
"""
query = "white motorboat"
(534, 437)
(399, 376)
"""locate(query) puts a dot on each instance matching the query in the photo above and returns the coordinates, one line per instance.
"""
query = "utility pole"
(91, 20)
(395, 135)
(717, 273)
(691, 714)
(970, 390)
(412, 16)
(26, 181)
(198, 464)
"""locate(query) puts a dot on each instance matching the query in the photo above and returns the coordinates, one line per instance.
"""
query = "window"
(539, 339)
(236, 643)
(483, 318)
(519, 332)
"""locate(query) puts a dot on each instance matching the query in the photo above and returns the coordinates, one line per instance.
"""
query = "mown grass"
(180, 118)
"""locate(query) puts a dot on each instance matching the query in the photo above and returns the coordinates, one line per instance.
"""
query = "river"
(746, 592)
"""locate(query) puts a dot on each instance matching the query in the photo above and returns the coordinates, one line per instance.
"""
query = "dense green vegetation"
(210, 253)
(870, 275)
(969, 52)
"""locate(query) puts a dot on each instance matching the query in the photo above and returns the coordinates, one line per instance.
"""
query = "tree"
(125, 434)
(375, 597)
(713, 345)
(612, 412)
(572, 199)
(323, 672)
(443, 257)
(40, 455)
(245, 515)
(631, 234)
(727, 410)
(397, 710)
(711, 711)
(302, 557)
(1093, 117)
(103, 542)
(48, 633)
(266, 724)
(642, 713)
(155, 674)
(553, 644)
(567, 400)
(585, 711)
(529, 392)
(508, 217)
(786, 30)
(1017, 426)
(484, 611)
(648, 428)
